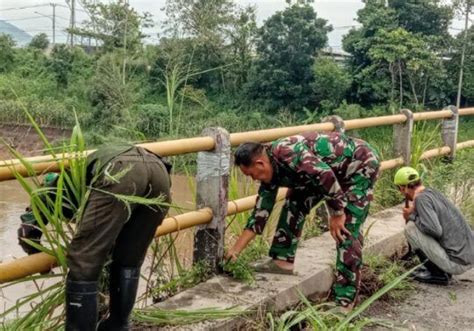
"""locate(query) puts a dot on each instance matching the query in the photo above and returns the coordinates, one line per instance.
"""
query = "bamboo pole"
(26, 266)
(272, 134)
(432, 115)
(390, 164)
(465, 144)
(445, 150)
(466, 111)
(374, 121)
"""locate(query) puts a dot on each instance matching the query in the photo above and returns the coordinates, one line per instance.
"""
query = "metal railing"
(211, 218)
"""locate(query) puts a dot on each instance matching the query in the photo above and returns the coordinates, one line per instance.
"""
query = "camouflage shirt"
(322, 165)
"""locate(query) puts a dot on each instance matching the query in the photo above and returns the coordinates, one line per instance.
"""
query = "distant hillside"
(21, 37)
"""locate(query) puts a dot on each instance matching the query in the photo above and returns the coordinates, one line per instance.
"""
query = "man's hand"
(244, 239)
(231, 255)
(337, 228)
(407, 211)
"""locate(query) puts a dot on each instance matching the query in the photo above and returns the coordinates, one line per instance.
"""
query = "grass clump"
(241, 268)
(157, 317)
(379, 271)
(186, 279)
(324, 316)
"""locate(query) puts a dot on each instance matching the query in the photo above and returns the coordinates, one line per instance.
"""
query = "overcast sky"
(27, 14)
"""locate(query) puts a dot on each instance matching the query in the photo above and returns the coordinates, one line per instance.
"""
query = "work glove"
(29, 230)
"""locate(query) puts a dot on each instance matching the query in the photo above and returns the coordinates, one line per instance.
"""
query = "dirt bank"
(25, 139)
(432, 307)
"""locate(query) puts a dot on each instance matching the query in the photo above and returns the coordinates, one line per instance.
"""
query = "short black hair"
(415, 184)
(246, 153)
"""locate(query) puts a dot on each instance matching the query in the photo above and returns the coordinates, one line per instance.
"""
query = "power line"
(31, 18)
(25, 7)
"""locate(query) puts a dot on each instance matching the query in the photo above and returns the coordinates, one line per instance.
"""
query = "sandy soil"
(431, 307)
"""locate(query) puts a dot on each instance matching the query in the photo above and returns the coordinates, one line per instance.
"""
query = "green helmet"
(405, 176)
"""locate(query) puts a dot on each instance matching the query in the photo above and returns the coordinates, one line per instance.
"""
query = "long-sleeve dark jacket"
(439, 218)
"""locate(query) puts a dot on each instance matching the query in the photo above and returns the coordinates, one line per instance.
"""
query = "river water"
(13, 201)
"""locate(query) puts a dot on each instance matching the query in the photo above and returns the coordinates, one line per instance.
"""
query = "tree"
(204, 20)
(463, 88)
(412, 16)
(463, 7)
(407, 56)
(40, 41)
(116, 25)
(242, 33)
(113, 95)
(286, 46)
(386, 60)
(370, 85)
(331, 82)
(7, 53)
(215, 29)
(60, 64)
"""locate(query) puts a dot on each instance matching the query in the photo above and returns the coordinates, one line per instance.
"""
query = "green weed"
(325, 317)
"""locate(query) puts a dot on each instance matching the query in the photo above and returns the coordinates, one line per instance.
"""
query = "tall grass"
(47, 207)
(425, 136)
(45, 311)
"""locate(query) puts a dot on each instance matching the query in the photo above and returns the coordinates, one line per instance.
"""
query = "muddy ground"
(25, 139)
(431, 307)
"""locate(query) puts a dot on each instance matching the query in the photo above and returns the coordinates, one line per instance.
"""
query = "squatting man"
(435, 229)
(313, 166)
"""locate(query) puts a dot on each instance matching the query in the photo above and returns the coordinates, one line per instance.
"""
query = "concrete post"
(212, 182)
(449, 131)
(402, 137)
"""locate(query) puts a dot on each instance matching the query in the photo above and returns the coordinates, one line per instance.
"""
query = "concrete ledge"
(314, 263)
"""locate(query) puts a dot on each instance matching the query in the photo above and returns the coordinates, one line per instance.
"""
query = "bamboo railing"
(43, 164)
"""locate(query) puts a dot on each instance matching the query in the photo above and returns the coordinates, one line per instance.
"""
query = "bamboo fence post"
(212, 179)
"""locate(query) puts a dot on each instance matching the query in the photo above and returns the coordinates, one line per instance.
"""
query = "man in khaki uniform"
(106, 227)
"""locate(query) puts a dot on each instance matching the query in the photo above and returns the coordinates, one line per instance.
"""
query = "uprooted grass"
(157, 317)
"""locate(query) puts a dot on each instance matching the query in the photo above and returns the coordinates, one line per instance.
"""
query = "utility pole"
(469, 4)
(54, 22)
(72, 24)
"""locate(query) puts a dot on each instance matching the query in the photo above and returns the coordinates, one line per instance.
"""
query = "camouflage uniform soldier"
(314, 166)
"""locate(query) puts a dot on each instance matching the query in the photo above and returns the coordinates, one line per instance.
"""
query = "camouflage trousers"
(297, 205)
(349, 254)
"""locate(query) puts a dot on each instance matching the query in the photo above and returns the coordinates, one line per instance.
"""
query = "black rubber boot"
(432, 274)
(123, 290)
(81, 305)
